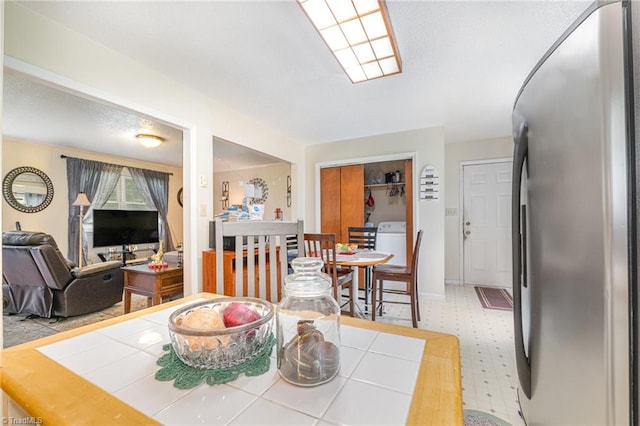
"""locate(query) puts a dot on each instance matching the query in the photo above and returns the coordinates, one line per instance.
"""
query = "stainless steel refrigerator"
(575, 230)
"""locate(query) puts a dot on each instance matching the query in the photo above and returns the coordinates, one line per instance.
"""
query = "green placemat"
(186, 377)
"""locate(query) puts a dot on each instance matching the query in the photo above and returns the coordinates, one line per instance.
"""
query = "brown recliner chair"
(38, 280)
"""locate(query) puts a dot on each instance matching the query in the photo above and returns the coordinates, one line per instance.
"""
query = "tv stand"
(125, 255)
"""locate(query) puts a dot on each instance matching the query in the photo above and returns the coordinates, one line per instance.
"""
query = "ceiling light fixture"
(149, 141)
(359, 34)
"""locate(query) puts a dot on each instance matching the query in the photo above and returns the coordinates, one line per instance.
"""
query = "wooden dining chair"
(407, 274)
(365, 238)
(324, 246)
(267, 240)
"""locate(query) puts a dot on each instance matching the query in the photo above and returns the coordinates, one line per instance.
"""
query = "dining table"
(105, 374)
(362, 258)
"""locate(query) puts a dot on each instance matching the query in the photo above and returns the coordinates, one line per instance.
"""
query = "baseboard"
(452, 282)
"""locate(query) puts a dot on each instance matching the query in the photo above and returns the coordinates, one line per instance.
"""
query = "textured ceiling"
(463, 61)
(38, 113)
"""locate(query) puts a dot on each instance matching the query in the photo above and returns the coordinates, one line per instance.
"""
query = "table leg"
(127, 301)
(355, 285)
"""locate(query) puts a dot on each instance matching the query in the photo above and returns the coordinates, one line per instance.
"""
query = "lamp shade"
(81, 200)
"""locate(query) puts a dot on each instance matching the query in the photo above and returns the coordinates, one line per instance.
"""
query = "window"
(126, 195)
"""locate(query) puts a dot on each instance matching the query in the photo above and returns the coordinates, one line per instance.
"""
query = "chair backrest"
(323, 246)
(33, 258)
(416, 254)
(364, 237)
(267, 241)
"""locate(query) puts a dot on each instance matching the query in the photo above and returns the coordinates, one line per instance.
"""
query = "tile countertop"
(389, 375)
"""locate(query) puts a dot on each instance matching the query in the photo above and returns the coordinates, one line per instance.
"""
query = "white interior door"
(486, 224)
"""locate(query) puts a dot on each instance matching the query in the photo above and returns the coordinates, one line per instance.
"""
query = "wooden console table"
(209, 272)
(153, 283)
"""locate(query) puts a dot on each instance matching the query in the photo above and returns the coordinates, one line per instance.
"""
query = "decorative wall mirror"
(180, 197)
(262, 190)
(27, 189)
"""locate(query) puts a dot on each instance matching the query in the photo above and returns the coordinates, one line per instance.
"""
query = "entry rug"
(494, 298)
(187, 377)
(479, 418)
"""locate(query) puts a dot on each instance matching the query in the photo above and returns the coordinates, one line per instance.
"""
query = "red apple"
(238, 314)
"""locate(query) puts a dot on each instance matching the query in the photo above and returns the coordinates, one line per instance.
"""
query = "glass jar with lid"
(308, 326)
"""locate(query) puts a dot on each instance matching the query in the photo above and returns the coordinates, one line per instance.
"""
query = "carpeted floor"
(21, 328)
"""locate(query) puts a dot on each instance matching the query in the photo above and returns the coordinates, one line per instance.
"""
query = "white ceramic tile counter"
(376, 383)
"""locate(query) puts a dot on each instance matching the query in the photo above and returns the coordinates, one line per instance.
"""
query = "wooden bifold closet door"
(341, 199)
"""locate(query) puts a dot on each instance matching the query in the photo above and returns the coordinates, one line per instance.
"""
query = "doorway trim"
(461, 166)
(362, 160)
(189, 142)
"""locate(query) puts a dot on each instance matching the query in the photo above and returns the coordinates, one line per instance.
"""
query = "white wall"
(455, 153)
(53, 219)
(275, 177)
(43, 48)
(428, 146)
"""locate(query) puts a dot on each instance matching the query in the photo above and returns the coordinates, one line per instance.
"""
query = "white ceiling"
(463, 61)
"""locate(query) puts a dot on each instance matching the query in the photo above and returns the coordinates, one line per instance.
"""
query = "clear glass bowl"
(225, 347)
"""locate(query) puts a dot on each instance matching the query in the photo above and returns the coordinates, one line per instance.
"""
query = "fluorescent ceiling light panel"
(319, 13)
(358, 33)
(342, 10)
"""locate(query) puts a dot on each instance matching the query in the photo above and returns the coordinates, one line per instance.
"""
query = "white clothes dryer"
(392, 238)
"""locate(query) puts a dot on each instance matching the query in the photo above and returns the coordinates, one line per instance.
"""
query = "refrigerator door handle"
(518, 217)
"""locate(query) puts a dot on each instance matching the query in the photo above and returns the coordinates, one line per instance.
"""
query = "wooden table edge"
(431, 404)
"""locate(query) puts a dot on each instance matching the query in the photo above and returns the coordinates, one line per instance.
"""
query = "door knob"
(467, 232)
(467, 223)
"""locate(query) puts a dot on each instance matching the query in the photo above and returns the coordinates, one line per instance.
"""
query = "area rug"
(22, 328)
(495, 298)
(479, 418)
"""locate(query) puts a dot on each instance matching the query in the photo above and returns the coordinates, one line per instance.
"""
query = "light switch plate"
(451, 211)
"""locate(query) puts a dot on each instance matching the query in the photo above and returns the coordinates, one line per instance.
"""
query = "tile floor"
(489, 380)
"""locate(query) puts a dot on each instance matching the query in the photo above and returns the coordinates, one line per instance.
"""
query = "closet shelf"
(382, 185)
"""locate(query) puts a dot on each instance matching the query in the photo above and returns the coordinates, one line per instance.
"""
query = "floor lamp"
(81, 201)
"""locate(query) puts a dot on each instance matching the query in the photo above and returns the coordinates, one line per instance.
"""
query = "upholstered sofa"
(38, 280)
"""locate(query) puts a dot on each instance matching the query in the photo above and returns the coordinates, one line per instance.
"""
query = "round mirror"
(180, 197)
(27, 189)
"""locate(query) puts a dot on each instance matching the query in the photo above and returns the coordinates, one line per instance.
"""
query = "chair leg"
(381, 300)
(414, 303)
(415, 290)
(367, 287)
(352, 303)
(374, 296)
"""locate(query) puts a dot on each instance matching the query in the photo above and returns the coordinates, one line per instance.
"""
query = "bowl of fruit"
(220, 333)
(346, 248)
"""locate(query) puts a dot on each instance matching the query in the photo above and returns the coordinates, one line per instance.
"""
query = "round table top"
(363, 258)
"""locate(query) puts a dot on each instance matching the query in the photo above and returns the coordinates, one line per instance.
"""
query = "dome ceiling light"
(149, 141)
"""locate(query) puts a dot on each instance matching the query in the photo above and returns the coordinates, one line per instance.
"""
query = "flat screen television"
(122, 227)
